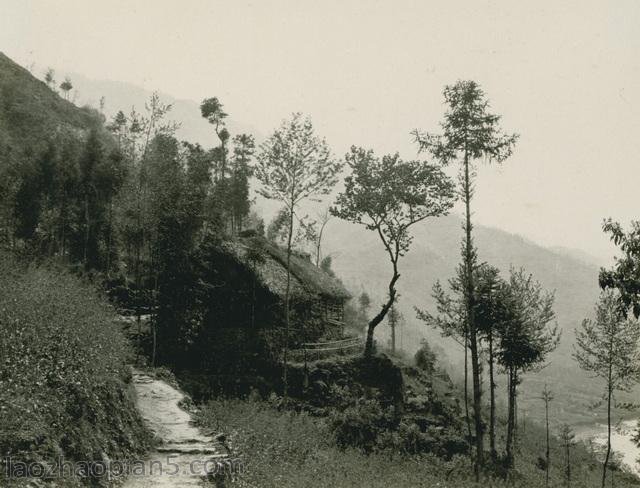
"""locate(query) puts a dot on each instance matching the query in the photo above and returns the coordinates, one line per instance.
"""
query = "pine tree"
(470, 133)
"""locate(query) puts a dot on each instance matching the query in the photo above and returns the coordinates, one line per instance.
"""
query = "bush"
(425, 358)
(362, 425)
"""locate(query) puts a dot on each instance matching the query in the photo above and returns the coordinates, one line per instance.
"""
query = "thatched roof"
(268, 261)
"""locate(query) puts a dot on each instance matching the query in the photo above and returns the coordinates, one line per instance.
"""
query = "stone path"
(185, 455)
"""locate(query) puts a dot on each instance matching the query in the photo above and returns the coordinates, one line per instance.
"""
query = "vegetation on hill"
(64, 381)
(352, 446)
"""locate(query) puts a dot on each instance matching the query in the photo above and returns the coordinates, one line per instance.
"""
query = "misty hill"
(123, 96)
(359, 259)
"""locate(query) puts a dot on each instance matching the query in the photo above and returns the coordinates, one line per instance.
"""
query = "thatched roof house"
(252, 277)
(269, 263)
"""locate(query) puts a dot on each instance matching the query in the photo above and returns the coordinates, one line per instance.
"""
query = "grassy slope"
(64, 388)
(287, 449)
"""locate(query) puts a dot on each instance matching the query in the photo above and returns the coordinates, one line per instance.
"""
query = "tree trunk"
(473, 339)
(568, 453)
(466, 392)
(492, 407)
(373, 323)
(285, 383)
(109, 238)
(510, 416)
(393, 336)
(139, 244)
(253, 303)
(547, 453)
(63, 224)
(86, 229)
(153, 353)
(609, 395)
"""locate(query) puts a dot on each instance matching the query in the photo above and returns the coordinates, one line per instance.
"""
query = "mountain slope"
(359, 259)
(30, 112)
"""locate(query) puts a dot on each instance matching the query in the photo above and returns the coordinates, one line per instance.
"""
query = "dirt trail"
(184, 455)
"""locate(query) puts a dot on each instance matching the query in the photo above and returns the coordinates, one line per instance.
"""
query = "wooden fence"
(310, 351)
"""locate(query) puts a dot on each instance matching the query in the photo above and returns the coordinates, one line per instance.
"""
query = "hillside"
(362, 264)
(30, 111)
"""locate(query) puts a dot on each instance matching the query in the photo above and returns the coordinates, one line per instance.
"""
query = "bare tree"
(50, 78)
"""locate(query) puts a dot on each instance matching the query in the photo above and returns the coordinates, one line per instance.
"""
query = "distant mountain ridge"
(123, 96)
(359, 259)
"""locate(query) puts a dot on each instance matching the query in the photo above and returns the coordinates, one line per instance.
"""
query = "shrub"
(425, 358)
(362, 425)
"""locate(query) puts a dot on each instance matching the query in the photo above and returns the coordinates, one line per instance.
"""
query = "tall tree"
(213, 110)
(364, 302)
(527, 336)
(609, 348)
(314, 230)
(470, 134)
(239, 202)
(50, 78)
(66, 86)
(490, 314)
(135, 133)
(198, 184)
(293, 165)
(171, 243)
(91, 158)
(567, 437)
(388, 195)
(395, 318)
(547, 398)
(451, 319)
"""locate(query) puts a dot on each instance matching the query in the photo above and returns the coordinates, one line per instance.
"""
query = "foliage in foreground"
(284, 449)
(63, 391)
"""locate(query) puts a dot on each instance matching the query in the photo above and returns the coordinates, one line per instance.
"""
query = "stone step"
(189, 449)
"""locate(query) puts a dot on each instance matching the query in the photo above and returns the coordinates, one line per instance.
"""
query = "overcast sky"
(565, 75)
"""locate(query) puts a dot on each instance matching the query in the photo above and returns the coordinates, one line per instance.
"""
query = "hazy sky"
(565, 75)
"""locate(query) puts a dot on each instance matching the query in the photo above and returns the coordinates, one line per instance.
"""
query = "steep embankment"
(64, 378)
